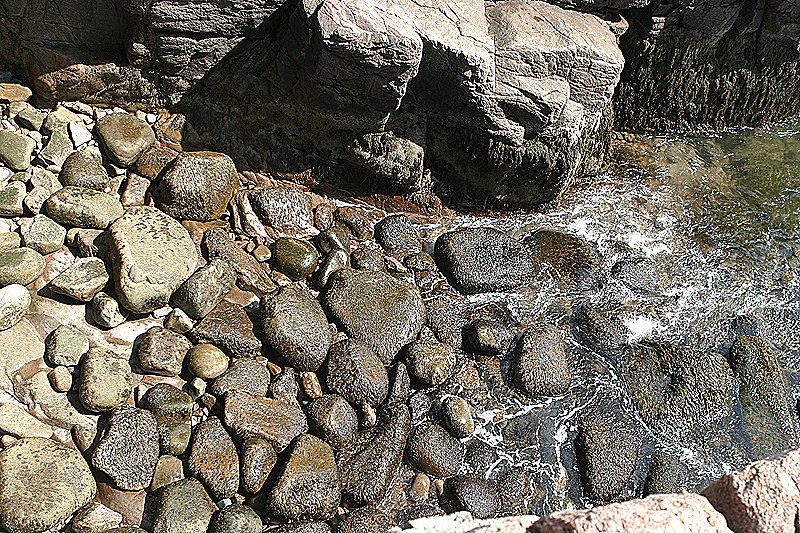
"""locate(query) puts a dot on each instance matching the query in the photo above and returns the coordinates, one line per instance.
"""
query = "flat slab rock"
(762, 498)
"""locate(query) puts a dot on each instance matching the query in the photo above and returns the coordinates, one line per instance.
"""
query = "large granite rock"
(41, 484)
(197, 186)
(128, 452)
(152, 255)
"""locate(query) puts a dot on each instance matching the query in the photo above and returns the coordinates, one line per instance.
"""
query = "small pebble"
(8, 440)
(262, 253)
(206, 361)
(311, 384)
(273, 368)
(60, 379)
(178, 321)
(420, 487)
(368, 417)
(439, 486)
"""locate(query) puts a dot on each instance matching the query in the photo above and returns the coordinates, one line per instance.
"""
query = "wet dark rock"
(173, 437)
(487, 337)
(356, 221)
(296, 328)
(355, 373)
(294, 257)
(153, 161)
(21, 266)
(228, 328)
(457, 416)
(105, 380)
(540, 364)
(369, 465)
(638, 274)
(335, 260)
(214, 459)
(281, 207)
(43, 483)
(258, 460)
(597, 331)
(482, 260)
(162, 351)
(129, 451)
(419, 404)
(304, 527)
(235, 518)
(365, 520)
(474, 495)
(254, 416)
(250, 275)
(334, 238)
(398, 236)
(308, 485)
(204, 289)
(153, 255)
(124, 137)
(168, 403)
(183, 507)
(246, 375)
(669, 473)
(430, 362)
(613, 453)
(84, 208)
(434, 451)
(400, 384)
(65, 346)
(575, 261)
(374, 307)
(82, 280)
(368, 258)
(83, 169)
(764, 393)
(333, 419)
(197, 186)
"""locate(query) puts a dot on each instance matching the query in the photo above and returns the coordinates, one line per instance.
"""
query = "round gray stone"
(82, 279)
(128, 452)
(14, 302)
(65, 346)
(105, 380)
(235, 518)
(83, 169)
(43, 234)
(21, 266)
(124, 137)
(83, 208)
(198, 186)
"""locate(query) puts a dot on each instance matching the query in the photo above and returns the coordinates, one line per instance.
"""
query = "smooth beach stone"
(65, 345)
(82, 280)
(375, 308)
(369, 257)
(105, 311)
(229, 328)
(276, 421)
(42, 483)
(178, 321)
(431, 362)
(153, 255)
(308, 486)
(58, 119)
(206, 361)
(434, 451)
(30, 118)
(153, 161)
(204, 289)
(105, 380)
(9, 240)
(296, 327)
(244, 375)
(129, 450)
(173, 437)
(354, 372)
(258, 460)
(487, 337)
(60, 379)
(43, 235)
(478, 260)
(334, 238)
(14, 303)
(162, 351)
(214, 460)
(183, 507)
(35, 199)
(250, 274)
(576, 262)
(169, 469)
(295, 258)
(12, 198)
(83, 208)
(333, 419)
(235, 518)
(540, 364)
(356, 220)
(84, 169)
(281, 207)
(458, 416)
(58, 147)
(21, 266)
(473, 494)
(197, 186)
(398, 236)
(124, 137)
(16, 150)
(168, 403)
(335, 260)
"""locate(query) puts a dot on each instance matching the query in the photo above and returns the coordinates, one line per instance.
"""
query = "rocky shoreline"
(189, 347)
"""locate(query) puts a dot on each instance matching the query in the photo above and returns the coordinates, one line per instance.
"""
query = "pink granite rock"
(762, 498)
(659, 513)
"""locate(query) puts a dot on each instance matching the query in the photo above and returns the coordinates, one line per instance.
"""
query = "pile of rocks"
(225, 351)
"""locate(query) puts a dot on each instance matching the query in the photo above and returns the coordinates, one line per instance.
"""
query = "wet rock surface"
(213, 459)
(355, 373)
(197, 186)
(296, 328)
(128, 452)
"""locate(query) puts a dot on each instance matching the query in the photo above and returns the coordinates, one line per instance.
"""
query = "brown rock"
(762, 498)
(659, 513)
(214, 459)
(253, 416)
(251, 276)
